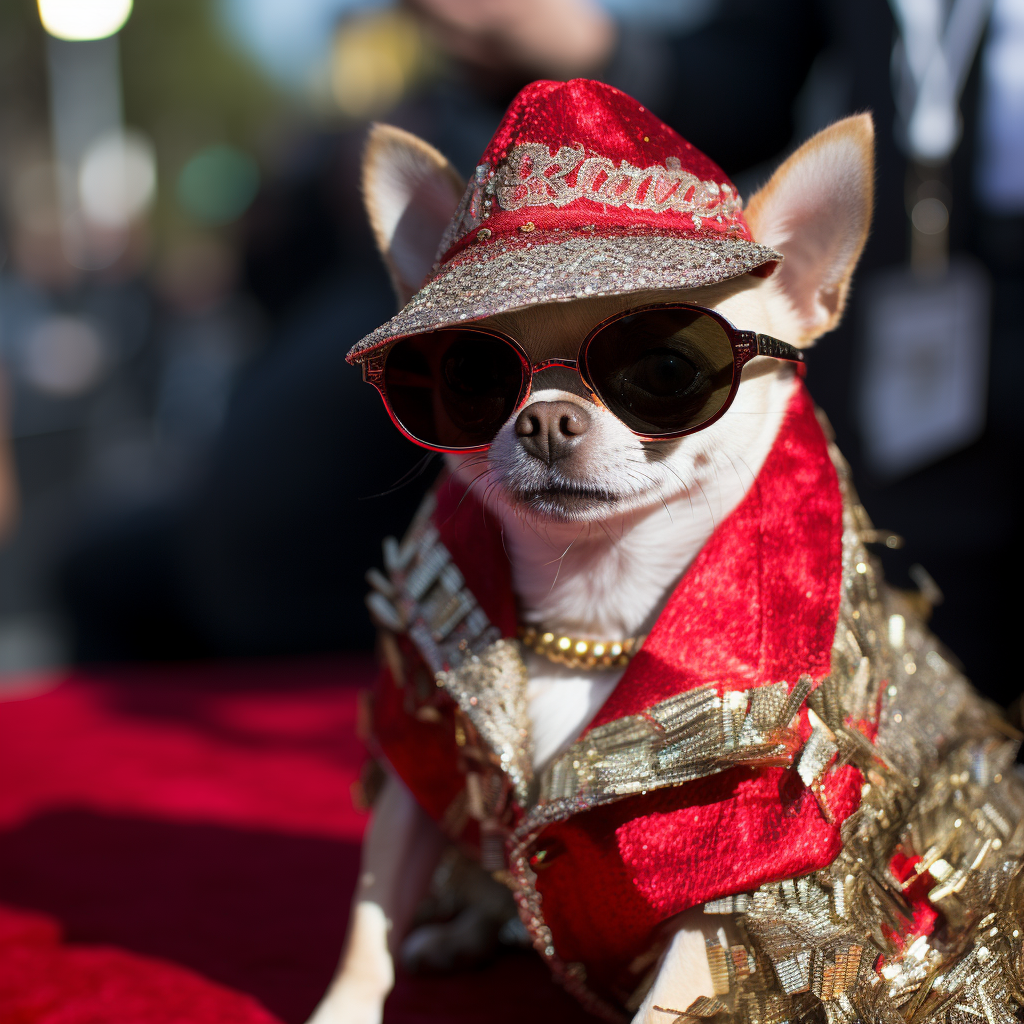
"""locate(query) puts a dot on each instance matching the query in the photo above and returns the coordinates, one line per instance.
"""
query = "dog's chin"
(566, 503)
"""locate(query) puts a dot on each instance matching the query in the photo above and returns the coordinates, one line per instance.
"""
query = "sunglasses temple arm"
(769, 346)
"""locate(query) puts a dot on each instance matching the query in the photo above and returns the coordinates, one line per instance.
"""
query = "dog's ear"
(816, 211)
(410, 192)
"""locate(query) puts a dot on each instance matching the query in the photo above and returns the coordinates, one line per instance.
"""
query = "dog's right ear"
(411, 193)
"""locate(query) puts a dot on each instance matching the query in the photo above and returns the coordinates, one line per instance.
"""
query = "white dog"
(598, 538)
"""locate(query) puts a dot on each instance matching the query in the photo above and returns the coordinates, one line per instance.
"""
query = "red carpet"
(179, 846)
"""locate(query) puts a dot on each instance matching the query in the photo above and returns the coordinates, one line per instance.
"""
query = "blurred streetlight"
(83, 19)
(106, 176)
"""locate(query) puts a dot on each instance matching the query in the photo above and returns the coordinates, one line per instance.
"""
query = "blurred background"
(188, 469)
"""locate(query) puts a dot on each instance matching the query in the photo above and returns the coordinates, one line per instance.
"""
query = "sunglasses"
(664, 370)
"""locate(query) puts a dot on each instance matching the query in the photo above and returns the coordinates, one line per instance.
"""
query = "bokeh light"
(83, 19)
(217, 185)
(63, 356)
(375, 58)
(117, 179)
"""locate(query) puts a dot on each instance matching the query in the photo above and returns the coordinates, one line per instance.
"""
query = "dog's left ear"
(816, 211)
(411, 193)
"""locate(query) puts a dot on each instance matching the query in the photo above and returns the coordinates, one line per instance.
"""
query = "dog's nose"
(548, 430)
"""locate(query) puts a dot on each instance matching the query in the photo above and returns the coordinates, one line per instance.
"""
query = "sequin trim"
(469, 214)
(689, 736)
(558, 266)
(490, 690)
(424, 595)
(531, 176)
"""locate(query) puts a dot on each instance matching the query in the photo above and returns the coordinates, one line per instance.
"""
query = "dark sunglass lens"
(453, 389)
(662, 370)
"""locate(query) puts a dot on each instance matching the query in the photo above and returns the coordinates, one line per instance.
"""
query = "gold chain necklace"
(579, 653)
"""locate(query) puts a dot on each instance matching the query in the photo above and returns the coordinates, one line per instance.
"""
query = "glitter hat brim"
(507, 274)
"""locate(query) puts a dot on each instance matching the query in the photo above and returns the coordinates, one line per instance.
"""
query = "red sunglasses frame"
(746, 345)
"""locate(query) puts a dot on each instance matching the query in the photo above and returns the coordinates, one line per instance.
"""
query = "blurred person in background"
(90, 347)
(265, 553)
(700, 63)
(959, 511)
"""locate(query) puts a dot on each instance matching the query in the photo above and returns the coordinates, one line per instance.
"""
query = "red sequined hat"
(581, 192)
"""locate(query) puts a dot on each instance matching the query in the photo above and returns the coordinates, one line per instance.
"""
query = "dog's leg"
(684, 974)
(400, 852)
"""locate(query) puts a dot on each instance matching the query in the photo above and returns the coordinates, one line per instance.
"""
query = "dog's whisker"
(739, 476)
(407, 478)
(564, 553)
(711, 511)
(469, 488)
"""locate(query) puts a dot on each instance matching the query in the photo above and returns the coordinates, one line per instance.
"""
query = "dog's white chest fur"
(562, 703)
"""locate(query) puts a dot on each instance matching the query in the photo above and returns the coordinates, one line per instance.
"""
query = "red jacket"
(759, 605)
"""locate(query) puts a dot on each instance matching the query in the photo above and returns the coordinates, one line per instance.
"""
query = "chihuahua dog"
(600, 520)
